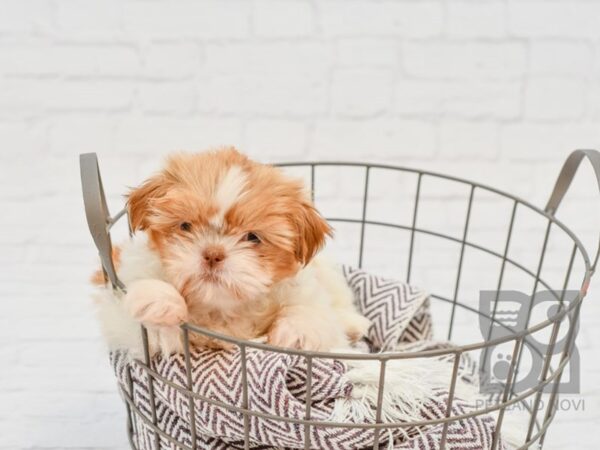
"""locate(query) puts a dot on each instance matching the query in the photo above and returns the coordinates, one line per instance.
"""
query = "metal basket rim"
(452, 350)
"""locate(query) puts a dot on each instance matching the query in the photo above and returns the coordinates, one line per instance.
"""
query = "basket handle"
(565, 178)
(97, 214)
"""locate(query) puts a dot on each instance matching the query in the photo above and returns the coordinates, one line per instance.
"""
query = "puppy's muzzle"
(213, 256)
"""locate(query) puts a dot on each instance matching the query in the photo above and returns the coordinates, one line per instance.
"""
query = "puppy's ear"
(312, 232)
(138, 201)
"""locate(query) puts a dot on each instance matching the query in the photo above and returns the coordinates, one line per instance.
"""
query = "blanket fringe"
(408, 386)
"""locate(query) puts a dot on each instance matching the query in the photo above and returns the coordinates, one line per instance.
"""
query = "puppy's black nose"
(213, 255)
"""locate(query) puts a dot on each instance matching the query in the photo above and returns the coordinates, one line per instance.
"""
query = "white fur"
(141, 271)
(228, 192)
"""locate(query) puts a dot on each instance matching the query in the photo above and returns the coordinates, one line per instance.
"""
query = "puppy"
(229, 246)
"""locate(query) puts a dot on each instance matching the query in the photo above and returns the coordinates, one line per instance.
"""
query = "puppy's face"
(226, 228)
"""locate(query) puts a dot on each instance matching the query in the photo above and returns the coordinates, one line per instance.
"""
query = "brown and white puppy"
(232, 247)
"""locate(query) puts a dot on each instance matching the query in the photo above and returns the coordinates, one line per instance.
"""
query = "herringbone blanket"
(277, 387)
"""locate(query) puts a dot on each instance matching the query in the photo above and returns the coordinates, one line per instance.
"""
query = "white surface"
(495, 91)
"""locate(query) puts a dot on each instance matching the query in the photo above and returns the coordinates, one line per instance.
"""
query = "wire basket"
(562, 321)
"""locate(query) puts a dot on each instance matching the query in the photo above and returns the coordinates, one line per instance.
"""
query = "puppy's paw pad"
(154, 302)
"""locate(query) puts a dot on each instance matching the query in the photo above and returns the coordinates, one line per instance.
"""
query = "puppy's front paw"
(286, 333)
(155, 302)
(356, 326)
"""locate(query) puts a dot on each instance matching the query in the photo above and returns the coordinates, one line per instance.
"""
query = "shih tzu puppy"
(230, 245)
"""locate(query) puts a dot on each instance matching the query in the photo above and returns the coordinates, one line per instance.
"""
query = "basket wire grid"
(549, 377)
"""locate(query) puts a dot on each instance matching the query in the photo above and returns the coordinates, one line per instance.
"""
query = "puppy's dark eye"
(185, 226)
(252, 237)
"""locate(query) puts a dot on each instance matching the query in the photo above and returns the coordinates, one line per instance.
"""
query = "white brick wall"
(498, 91)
